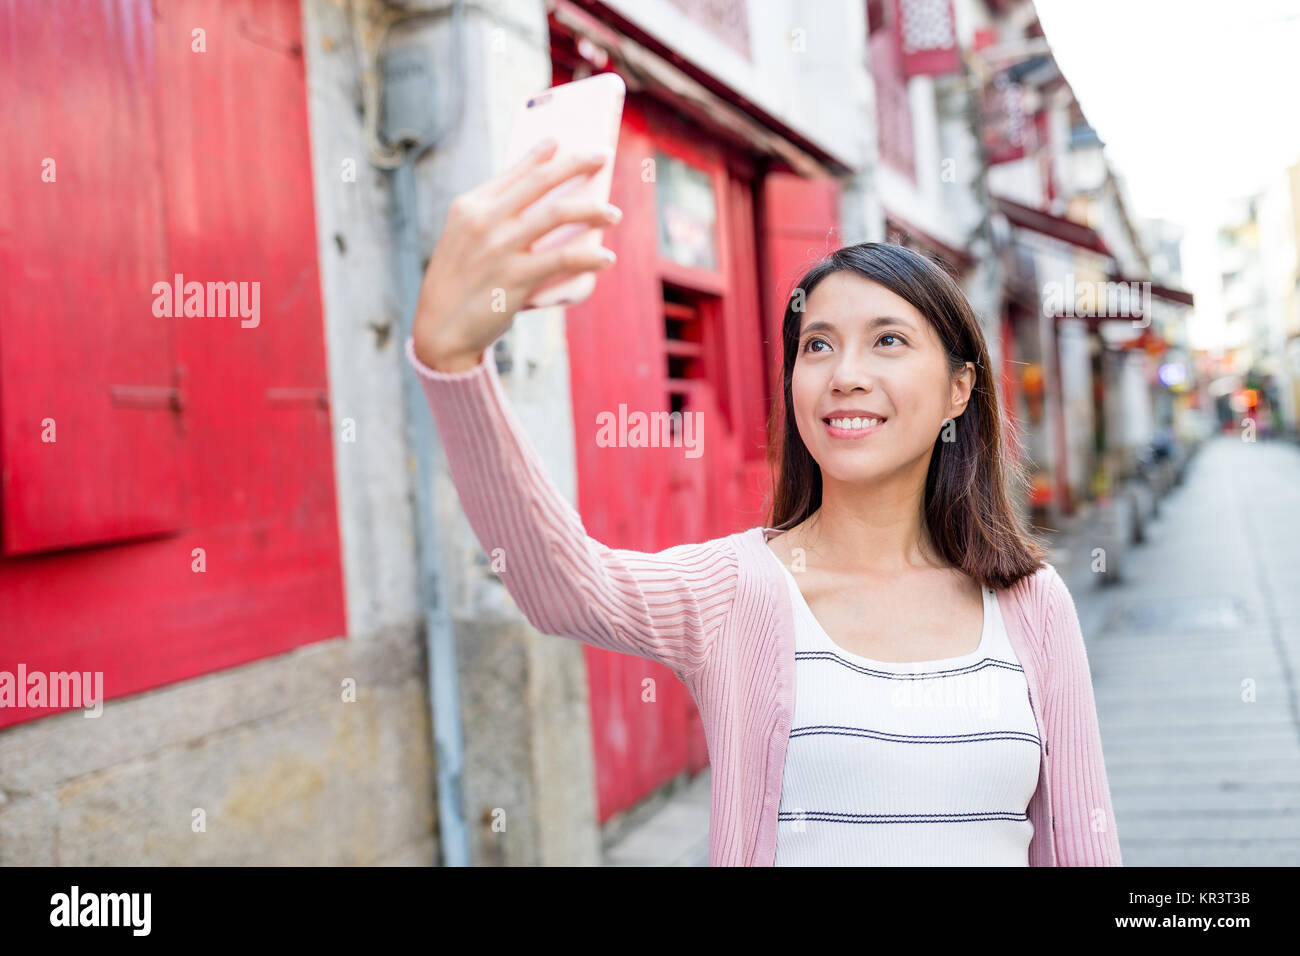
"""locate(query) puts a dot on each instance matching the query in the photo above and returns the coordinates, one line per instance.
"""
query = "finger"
(538, 154)
(528, 189)
(574, 257)
(522, 231)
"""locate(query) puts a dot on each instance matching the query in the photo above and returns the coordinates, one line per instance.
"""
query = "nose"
(851, 372)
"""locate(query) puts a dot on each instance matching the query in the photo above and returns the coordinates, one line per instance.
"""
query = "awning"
(1066, 230)
(1094, 321)
(1166, 293)
(906, 234)
(648, 65)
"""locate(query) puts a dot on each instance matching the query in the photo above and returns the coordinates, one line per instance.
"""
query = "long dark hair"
(968, 511)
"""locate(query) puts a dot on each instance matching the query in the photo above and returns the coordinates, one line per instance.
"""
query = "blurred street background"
(243, 619)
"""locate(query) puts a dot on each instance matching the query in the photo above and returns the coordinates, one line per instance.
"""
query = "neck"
(877, 526)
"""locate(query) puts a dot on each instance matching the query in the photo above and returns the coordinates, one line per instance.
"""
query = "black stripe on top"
(830, 816)
(913, 675)
(914, 738)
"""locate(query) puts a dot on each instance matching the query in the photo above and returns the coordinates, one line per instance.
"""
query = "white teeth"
(854, 424)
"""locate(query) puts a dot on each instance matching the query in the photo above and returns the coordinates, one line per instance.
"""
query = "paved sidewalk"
(1194, 661)
(674, 833)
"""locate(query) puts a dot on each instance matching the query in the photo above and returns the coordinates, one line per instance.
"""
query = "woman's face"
(866, 353)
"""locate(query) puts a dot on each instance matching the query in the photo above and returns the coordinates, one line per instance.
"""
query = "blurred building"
(1278, 322)
(1256, 261)
(1084, 326)
(1177, 394)
(930, 175)
(1291, 324)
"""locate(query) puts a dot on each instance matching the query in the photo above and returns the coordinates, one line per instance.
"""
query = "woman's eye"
(890, 335)
(808, 346)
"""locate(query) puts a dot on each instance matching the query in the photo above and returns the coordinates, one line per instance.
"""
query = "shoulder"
(743, 558)
(1055, 596)
(1047, 581)
(1035, 599)
(710, 567)
(1060, 635)
(701, 570)
(724, 549)
(1038, 590)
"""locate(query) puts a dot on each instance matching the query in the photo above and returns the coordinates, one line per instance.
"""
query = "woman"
(890, 674)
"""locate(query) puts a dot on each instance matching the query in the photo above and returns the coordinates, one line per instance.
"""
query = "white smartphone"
(582, 116)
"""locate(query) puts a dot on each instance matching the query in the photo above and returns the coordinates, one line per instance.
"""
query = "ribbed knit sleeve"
(666, 606)
(1086, 834)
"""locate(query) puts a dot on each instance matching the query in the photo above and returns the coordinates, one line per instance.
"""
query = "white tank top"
(928, 763)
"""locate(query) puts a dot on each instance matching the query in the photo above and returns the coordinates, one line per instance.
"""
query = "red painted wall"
(173, 433)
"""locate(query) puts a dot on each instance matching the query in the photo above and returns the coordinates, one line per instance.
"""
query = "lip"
(852, 413)
(851, 433)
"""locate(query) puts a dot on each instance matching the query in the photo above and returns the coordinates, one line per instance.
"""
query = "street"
(1194, 662)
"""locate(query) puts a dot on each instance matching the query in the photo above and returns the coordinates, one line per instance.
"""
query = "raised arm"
(1086, 834)
(666, 606)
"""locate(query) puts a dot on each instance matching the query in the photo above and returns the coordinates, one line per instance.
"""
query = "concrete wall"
(283, 770)
(805, 65)
(524, 708)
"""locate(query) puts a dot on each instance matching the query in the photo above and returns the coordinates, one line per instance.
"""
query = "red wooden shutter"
(687, 334)
(893, 108)
(83, 359)
(222, 135)
(927, 36)
(1003, 123)
(263, 388)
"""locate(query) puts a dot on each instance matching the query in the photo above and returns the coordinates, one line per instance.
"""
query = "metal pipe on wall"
(399, 98)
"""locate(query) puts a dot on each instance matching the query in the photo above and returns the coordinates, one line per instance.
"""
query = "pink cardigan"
(718, 614)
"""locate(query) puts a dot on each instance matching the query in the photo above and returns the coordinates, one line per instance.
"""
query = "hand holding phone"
(582, 117)
(484, 268)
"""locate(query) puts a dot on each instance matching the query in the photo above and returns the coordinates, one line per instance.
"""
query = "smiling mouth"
(853, 427)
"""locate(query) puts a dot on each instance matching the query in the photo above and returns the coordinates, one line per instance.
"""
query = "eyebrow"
(823, 326)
